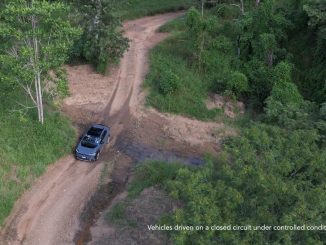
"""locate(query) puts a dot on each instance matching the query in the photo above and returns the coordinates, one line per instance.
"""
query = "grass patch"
(150, 174)
(117, 215)
(178, 24)
(132, 9)
(168, 65)
(27, 147)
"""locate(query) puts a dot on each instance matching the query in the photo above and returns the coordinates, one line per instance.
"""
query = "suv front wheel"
(97, 156)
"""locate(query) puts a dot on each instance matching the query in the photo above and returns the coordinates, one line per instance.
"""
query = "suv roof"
(94, 131)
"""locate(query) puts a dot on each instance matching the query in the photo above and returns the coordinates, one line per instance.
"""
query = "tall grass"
(150, 174)
(188, 97)
(178, 24)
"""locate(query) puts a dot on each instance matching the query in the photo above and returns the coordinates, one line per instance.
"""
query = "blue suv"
(92, 142)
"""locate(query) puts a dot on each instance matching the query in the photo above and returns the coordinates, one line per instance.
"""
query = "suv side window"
(104, 134)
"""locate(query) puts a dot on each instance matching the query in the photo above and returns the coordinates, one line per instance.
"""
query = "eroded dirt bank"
(49, 212)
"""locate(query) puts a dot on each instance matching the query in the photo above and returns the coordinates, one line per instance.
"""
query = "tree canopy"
(35, 37)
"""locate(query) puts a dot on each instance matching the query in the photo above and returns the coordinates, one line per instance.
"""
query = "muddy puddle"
(142, 153)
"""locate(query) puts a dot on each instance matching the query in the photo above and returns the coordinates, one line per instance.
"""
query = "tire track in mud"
(49, 212)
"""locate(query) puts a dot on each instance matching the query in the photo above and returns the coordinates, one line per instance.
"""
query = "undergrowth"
(132, 9)
(174, 86)
(27, 147)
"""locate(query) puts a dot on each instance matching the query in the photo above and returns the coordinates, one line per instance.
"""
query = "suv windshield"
(95, 131)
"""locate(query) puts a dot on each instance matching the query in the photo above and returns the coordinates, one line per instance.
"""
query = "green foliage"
(54, 34)
(321, 124)
(317, 17)
(285, 106)
(102, 42)
(174, 87)
(34, 39)
(272, 173)
(197, 30)
(27, 147)
(132, 9)
(265, 183)
(237, 83)
(178, 24)
(169, 82)
(117, 213)
(307, 44)
(284, 91)
(62, 84)
(150, 174)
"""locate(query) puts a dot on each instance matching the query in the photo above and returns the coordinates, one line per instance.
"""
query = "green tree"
(316, 75)
(102, 41)
(237, 83)
(260, 35)
(35, 38)
(316, 10)
(266, 176)
(321, 124)
(196, 30)
(285, 106)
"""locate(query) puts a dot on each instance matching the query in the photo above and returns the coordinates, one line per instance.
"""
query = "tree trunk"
(41, 118)
(37, 72)
(242, 7)
(37, 97)
(202, 7)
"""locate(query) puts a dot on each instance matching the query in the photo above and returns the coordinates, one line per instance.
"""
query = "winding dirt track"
(49, 212)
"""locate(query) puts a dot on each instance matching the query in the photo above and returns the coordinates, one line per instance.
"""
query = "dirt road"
(49, 212)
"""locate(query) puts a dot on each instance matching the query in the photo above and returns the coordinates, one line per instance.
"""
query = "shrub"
(169, 82)
(237, 83)
(62, 83)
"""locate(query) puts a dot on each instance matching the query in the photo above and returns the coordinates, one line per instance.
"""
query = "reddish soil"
(49, 213)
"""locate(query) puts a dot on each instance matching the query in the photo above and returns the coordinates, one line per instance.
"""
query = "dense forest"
(270, 54)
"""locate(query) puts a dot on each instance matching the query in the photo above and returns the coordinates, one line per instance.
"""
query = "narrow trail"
(49, 212)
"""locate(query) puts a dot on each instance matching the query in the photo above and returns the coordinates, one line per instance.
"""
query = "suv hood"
(85, 150)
